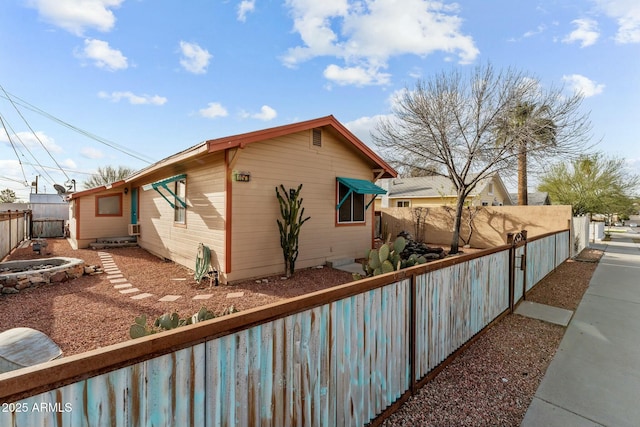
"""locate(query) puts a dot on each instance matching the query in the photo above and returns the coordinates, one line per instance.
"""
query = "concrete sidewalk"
(594, 378)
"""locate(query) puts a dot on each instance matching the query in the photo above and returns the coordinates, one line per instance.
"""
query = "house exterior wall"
(91, 226)
(205, 213)
(291, 160)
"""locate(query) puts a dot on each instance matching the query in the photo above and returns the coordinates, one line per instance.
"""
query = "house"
(221, 193)
(538, 198)
(438, 191)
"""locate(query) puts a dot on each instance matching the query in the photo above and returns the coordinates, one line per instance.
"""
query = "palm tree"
(526, 127)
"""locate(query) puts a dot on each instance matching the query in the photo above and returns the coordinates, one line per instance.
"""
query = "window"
(110, 205)
(179, 208)
(403, 203)
(490, 188)
(353, 208)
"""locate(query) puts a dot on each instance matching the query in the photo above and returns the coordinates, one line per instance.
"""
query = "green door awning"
(163, 184)
(359, 186)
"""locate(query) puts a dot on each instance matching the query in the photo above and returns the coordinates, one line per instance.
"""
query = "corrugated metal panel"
(47, 228)
(455, 303)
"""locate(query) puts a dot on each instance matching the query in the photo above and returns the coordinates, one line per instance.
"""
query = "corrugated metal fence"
(345, 356)
(14, 228)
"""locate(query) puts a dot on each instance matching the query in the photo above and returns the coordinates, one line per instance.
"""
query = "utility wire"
(34, 157)
(34, 133)
(14, 148)
(88, 134)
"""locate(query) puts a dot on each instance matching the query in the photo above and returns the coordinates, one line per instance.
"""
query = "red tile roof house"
(221, 193)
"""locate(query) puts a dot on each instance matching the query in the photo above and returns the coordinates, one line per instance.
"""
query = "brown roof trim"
(241, 140)
(96, 189)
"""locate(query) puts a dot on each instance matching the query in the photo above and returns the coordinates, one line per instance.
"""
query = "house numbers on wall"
(242, 176)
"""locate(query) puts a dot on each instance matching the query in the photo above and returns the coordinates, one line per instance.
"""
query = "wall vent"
(317, 137)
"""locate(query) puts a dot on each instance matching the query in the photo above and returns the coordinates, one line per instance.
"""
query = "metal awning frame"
(163, 184)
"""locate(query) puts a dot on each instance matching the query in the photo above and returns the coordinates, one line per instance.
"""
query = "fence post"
(512, 253)
(412, 334)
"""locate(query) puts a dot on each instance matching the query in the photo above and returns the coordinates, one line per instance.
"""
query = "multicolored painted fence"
(345, 356)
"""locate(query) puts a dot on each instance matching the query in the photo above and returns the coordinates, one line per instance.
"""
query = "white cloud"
(357, 76)
(91, 153)
(31, 141)
(266, 113)
(194, 58)
(76, 16)
(583, 85)
(363, 127)
(133, 98)
(586, 32)
(245, 7)
(69, 164)
(627, 14)
(213, 110)
(367, 35)
(103, 55)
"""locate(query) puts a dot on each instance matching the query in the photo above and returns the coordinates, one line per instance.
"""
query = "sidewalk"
(594, 378)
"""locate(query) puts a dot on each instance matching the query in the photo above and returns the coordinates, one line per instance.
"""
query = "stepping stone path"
(115, 277)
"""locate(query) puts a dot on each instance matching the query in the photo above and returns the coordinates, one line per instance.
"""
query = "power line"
(34, 132)
(12, 98)
(14, 148)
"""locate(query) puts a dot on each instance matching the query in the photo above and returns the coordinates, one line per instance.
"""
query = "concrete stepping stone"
(115, 276)
(170, 298)
(141, 296)
(121, 280)
(203, 296)
(547, 313)
(235, 294)
(130, 291)
(112, 270)
(124, 285)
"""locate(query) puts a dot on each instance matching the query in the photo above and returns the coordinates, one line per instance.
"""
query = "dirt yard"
(90, 312)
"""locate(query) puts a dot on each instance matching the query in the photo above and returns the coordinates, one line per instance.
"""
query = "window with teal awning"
(351, 198)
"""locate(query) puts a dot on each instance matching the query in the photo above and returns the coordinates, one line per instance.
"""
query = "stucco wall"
(491, 223)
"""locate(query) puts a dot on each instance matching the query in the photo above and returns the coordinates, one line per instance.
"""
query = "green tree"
(448, 124)
(7, 196)
(107, 175)
(592, 184)
(528, 125)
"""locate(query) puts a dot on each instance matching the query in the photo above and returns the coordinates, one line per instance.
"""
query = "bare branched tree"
(107, 175)
(449, 124)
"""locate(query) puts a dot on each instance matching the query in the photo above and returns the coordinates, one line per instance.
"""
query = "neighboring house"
(439, 191)
(539, 198)
(222, 193)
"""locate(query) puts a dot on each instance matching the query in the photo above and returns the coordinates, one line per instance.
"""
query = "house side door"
(134, 205)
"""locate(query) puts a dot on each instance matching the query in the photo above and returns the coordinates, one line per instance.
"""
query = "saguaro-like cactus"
(292, 214)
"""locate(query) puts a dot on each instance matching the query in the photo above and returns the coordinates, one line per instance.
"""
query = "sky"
(91, 83)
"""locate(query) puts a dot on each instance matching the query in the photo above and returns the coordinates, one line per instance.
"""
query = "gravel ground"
(490, 384)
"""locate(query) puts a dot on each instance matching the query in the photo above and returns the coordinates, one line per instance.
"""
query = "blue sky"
(153, 77)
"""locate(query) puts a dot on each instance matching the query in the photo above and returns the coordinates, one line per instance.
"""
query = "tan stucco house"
(221, 193)
(439, 191)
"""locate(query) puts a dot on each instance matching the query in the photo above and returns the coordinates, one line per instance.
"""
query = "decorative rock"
(21, 286)
(9, 290)
(58, 277)
(37, 280)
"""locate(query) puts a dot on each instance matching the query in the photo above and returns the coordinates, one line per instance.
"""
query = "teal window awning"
(164, 183)
(359, 186)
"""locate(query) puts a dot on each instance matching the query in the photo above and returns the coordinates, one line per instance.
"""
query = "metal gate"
(518, 266)
(47, 228)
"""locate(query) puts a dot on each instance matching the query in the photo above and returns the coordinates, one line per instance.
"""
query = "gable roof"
(432, 186)
(242, 140)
